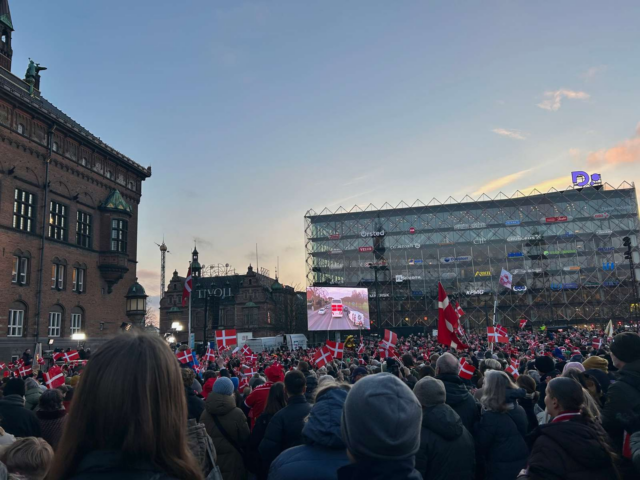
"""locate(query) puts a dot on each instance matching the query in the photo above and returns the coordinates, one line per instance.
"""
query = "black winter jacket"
(529, 406)
(195, 405)
(285, 429)
(370, 469)
(569, 451)
(446, 446)
(312, 385)
(16, 419)
(253, 459)
(106, 465)
(461, 400)
(500, 440)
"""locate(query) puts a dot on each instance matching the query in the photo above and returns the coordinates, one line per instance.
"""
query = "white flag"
(505, 279)
(608, 331)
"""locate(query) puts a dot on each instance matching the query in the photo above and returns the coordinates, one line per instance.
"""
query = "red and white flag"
(250, 371)
(523, 322)
(53, 378)
(244, 383)
(506, 279)
(210, 356)
(322, 357)
(185, 356)
(71, 356)
(466, 369)
(2, 366)
(596, 343)
(515, 362)
(390, 338)
(495, 336)
(362, 361)
(253, 358)
(459, 310)
(361, 349)
(386, 350)
(24, 371)
(246, 350)
(336, 349)
(57, 356)
(447, 321)
(188, 286)
(226, 338)
(513, 371)
(40, 361)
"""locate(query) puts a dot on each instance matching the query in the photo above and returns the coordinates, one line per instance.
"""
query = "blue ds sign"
(582, 179)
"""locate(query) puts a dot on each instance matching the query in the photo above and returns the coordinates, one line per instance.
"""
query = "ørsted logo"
(372, 234)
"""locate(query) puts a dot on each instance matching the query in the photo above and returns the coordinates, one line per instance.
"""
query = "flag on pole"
(53, 378)
(466, 369)
(336, 349)
(185, 356)
(71, 355)
(226, 338)
(210, 356)
(390, 338)
(246, 350)
(523, 322)
(513, 371)
(459, 310)
(24, 371)
(506, 279)
(188, 285)
(447, 321)
(596, 343)
(608, 331)
(322, 357)
(497, 335)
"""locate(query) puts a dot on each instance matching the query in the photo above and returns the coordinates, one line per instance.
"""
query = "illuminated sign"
(483, 274)
(381, 263)
(410, 245)
(600, 216)
(476, 292)
(611, 283)
(336, 267)
(401, 278)
(417, 293)
(412, 230)
(335, 252)
(581, 179)
(515, 254)
(559, 252)
(415, 261)
(606, 249)
(522, 271)
(365, 249)
(464, 258)
(555, 219)
(382, 295)
(608, 266)
(466, 226)
(519, 288)
(564, 286)
(591, 284)
(215, 292)
(571, 269)
(372, 234)
(604, 232)
(479, 241)
(567, 235)
(521, 239)
(512, 222)
(335, 236)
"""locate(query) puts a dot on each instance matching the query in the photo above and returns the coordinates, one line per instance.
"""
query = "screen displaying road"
(338, 308)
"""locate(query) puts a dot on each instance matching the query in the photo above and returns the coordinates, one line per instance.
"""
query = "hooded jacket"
(32, 398)
(446, 446)
(16, 419)
(195, 405)
(235, 424)
(312, 386)
(323, 451)
(461, 400)
(569, 450)
(374, 469)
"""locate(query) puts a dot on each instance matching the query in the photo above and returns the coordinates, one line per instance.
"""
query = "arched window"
(55, 320)
(20, 272)
(16, 323)
(77, 315)
(58, 274)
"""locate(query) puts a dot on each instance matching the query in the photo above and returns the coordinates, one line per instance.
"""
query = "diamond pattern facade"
(564, 249)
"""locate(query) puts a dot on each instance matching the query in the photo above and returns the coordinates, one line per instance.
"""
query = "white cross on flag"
(53, 378)
(459, 310)
(188, 285)
(361, 349)
(448, 321)
(494, 336)
(72, 355)
(2, 366)
(523, 322)
(57, 356)
(597, 343)
(250, 371)
(225, 338)
(24, 371)
(40, 361)
(506, 279)
(386, 350)
(185, 356)
(466, 369)
(244, 383)
(322, 357)
(390, 338)
(336, 349)
(513, 371)
(246, 350)
(251, 358)
(210, 356)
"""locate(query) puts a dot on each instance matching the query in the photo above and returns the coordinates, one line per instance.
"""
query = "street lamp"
(136, 304)
(177, 326)
(79, 337)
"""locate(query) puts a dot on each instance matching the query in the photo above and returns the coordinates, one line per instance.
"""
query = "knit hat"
(356, 372)
(381, 419)
(274, 373)
(223, 386)
(626, 347)
(574, 365)
(430, 391)
(544, 364)
(236, 382)
(596, 363)
(15, 386)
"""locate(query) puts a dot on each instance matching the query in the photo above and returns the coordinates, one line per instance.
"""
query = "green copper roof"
(250, 304)
(5, 14)
(277, 285)
(6, 19)
(115, 202)
(174, 310)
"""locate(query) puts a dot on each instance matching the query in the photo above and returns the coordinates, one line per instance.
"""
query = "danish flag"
(244, 383)
(447, 321)
(225, 338)
(466, 369)
(386, 350)
(597, 343)
(361, 361)
(495, 335)
(57, 356)
(459, 310)
(251, 358)
(361, 349)
(336, 348)
(322, 357)
(523, 322)
(185, 356)
(188, 285)
(71, 355)
(40, 361)
(513, 371)
(515, 362)
(210, 356)
(2, 366)
(250, 371)
(53, 378)
(24, 371)
(246, 350)
(390, 339)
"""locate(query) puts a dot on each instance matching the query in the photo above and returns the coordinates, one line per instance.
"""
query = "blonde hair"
(494, 392)
(29, 456)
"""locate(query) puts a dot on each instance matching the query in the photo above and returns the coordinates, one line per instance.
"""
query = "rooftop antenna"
(163, 262)
(257, 258)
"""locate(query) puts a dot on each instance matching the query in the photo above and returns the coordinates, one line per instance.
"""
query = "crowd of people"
(562, 405)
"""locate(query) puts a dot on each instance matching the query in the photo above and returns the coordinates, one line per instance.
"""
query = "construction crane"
(163, 257)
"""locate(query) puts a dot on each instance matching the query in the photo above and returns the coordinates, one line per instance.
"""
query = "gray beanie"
(430, 391)
(223, 386)
(381, 419)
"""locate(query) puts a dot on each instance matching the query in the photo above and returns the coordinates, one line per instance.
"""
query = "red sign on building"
(365, 249)
(412, 230)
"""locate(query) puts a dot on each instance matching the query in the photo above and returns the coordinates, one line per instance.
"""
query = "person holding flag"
(448, 322)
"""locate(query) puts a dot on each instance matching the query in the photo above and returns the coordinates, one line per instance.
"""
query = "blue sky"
(251, 113)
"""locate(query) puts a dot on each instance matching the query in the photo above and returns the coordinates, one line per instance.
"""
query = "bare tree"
(151, 317)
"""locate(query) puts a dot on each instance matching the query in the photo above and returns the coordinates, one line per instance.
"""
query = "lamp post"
(136, 304)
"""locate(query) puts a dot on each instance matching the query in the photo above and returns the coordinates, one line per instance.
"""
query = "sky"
(251, 113)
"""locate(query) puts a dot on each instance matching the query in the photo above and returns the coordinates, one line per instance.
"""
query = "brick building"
(251, 303)
(68, 219)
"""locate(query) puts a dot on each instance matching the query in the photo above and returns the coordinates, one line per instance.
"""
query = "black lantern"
(136, 304)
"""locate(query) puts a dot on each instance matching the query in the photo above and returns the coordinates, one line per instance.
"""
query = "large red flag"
(188, 285)
(53, 378)
(225, 338)
(447, 321)
(336, 349)
(322, 357)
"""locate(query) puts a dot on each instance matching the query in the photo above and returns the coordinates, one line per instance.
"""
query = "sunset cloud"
(498, 183)
(553, 100)
(559, 183)
(510, 133)
(627, 151)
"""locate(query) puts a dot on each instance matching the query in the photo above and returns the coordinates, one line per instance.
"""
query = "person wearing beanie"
(285, 428)
(575, 365)
(195, 405)
(14, 417)
(358, 373)
(257, 399)
(446, 446)
(380, 426)
(598, 368)
(312, 380)
(624, 394)
(227, 426)
(547, 369)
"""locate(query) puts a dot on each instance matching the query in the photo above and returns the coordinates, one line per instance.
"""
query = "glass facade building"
(564, 249)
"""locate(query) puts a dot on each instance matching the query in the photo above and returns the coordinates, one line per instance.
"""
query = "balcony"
(113, 267)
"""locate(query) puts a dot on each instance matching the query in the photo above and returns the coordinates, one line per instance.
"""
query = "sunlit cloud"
(510, 133)
(498, 183)
(559, 183)
(627, 151)
(553, 100)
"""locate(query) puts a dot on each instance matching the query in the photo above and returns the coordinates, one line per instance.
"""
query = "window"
(55, 146)
(76, 323)
(20, 272)
(83, 161)
(83, 229)
(109, 174)
(78, 280)
(16, 323)
(55, 321)
(23, 211)
(57, 276)
(21, 129)
(57, 221)
(119, 236)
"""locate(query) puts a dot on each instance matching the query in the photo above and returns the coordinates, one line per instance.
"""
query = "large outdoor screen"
(338, 308)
